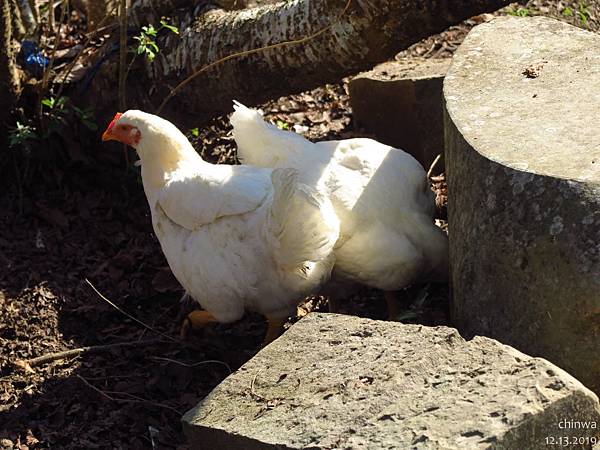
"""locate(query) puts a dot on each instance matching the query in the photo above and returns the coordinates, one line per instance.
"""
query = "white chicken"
(381, 195)
(236, 237)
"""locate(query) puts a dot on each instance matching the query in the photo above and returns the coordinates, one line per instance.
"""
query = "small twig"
(129, 315)
(133, 398)
(80, 351)
(105, 28)
(99, 391)
(303, 40)
(254, 394)
(200, 363)
(433, 165)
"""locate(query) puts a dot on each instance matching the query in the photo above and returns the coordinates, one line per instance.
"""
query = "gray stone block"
(342, 382)
(523, 169)
(400, 102)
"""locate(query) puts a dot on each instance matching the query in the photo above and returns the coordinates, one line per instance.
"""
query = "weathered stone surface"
(523, 167)
(342, 382)
(400, 102)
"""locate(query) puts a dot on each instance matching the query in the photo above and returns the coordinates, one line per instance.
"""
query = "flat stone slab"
(342, 382)
(523, 169)
(400, 102)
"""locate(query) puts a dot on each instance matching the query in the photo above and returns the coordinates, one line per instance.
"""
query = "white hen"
(381, 195)
(236, 237)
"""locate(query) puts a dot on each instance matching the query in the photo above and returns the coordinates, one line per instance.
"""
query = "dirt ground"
(91, 222)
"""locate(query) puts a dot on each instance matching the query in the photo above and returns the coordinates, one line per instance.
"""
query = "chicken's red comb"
(112, 123)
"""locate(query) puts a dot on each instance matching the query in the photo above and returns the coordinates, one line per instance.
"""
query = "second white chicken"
(388, 238)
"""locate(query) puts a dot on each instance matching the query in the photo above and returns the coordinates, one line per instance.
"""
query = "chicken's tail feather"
(260, 143)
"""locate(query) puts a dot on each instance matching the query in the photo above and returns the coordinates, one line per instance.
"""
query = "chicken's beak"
(108, 134)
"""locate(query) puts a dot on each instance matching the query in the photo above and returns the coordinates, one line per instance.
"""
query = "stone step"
(343, 382)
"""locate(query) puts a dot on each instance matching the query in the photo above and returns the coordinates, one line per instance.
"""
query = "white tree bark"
(369, 32)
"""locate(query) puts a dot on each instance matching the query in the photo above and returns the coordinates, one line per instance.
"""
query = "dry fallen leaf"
(23, 365)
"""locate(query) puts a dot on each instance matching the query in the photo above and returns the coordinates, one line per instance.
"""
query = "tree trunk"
(9, 80)
(369, 32)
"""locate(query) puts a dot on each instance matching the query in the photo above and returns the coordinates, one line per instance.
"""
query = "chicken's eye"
(123, 127)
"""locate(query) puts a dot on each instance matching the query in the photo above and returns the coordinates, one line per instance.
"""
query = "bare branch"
(80, 351)
(166, 336)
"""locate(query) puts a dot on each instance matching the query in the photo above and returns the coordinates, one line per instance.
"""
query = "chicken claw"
(196, 320)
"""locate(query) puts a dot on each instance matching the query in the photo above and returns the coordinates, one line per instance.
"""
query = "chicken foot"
(274, 326)
(391, 299)
(196, 320)
(334, 305)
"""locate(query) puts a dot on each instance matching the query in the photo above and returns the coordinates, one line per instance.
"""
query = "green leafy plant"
(283, 125)
(583, 12)
(21, 136)
(55, 113)
(147, 39)
(520, 12)
(146, 42)
(60, 111)
(195, 132)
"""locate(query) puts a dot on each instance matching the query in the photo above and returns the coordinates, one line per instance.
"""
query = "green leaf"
(150, 30)
(62, 101)
(153, 45)
(195, 132)
(49, 102)
(283, 125)
(172, 28)
(568, 12)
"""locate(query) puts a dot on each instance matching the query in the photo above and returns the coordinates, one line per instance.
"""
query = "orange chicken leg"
(196, 320)
(391, 298)
(275, 324)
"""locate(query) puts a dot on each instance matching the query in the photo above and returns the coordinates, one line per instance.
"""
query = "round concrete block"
(523, 165)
